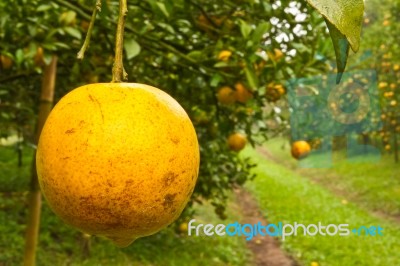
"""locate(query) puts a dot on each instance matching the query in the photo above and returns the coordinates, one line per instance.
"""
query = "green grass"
(373, 185)
(12, 177)
(285, 196)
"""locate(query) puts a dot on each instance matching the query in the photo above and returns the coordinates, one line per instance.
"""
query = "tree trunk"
(45, 106)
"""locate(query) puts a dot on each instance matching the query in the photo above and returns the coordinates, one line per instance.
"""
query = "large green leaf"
(346, 15)
(344, 21)
(342, 47)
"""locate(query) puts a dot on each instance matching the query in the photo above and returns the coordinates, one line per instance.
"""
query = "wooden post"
(45, 106)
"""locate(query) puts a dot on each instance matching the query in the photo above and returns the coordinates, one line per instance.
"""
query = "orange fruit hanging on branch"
(242, 94)
(274, 92)
(224, 55)
(300, 149)
(226, 95)
(237, 141)
(276, 56)
(6, 62)
(38, 59)
(118, 160)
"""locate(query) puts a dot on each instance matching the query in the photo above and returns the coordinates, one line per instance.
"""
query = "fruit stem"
(97, 8)
(118, 70)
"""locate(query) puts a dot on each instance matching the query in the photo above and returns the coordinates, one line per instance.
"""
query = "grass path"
(285, 196)
(374, 186)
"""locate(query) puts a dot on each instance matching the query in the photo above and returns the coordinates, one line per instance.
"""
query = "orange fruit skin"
(224, 55)
(6, 62)
(242, 94)
(300, 149)
(226, 95)
(183, 227)
(274, 92)
(118, 160)
(38, 59)
(237, 142)
(278, 54)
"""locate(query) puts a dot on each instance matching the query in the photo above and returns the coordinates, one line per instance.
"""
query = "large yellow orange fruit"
(118, 160)
(300, 149)
(237, 141)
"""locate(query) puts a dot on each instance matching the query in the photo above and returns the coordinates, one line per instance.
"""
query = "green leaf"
(301, 48)
(132, 48)
(73, 32)
(163, 9)
(105, 9)
(215, 80)
(43, 8)
(346, 15)
(258, 33)
(19, 56)
(196, 55)
(158, 7)
(221, 64)
(251, 78)
(60, 45)
(245, 28)
(166, 27)
(341, 46)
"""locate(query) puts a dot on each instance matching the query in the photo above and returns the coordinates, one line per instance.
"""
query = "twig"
(86, 43)
(118, 71)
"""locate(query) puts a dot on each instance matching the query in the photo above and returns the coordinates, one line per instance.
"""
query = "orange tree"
(389, 80)
(190, 49)
(382, 18)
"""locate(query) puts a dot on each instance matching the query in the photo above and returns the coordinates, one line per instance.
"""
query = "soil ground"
(266, 249)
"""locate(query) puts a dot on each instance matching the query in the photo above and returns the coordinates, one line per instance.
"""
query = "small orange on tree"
(300, 149)
(274, 92)
(6, 62)
(226, 95)
(242, 94)
(237, 142)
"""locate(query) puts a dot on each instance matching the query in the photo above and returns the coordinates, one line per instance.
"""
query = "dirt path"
(266, 249)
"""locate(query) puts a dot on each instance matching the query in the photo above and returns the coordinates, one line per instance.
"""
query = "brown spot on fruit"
(129, 182)
(70, 131)
(169, 200)
(169, 178)
(175, 139)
